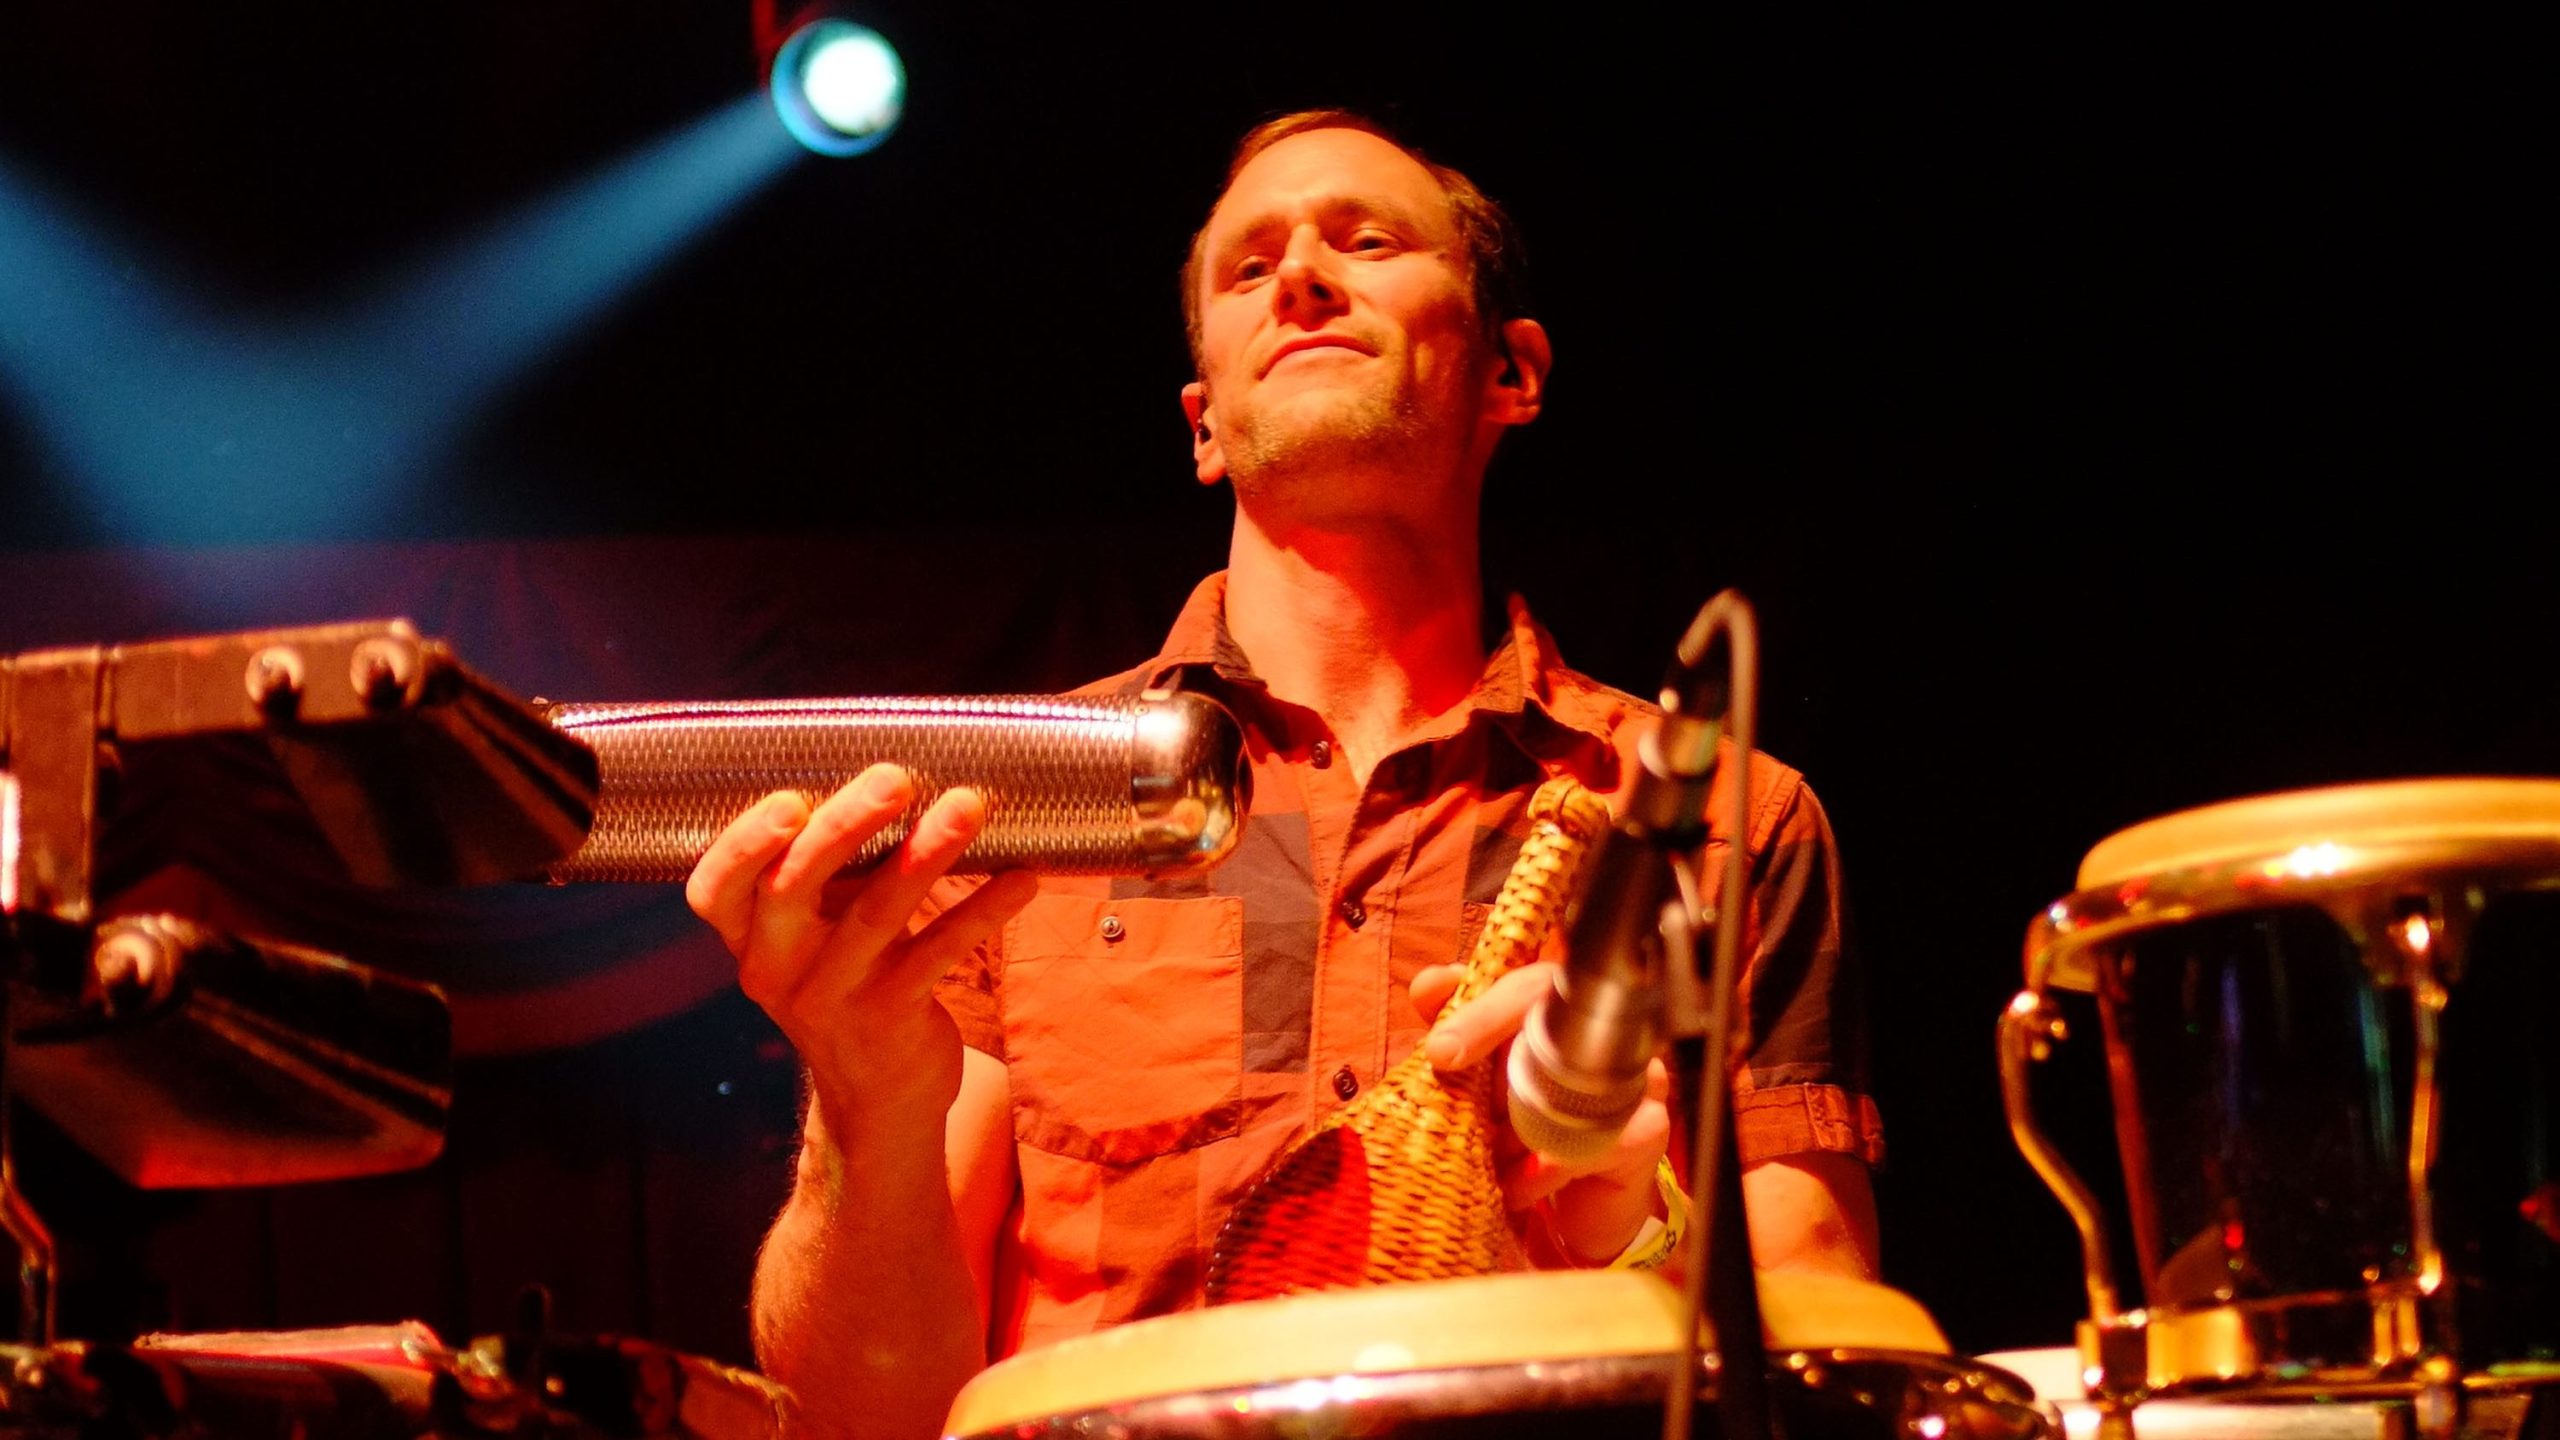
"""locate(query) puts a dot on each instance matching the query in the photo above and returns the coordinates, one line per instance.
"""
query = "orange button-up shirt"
(1165, 1041)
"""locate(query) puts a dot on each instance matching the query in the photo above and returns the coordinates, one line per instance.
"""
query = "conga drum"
(1497, 1357)
(2327, 1021)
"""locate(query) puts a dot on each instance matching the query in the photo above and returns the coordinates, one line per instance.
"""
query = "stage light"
(838, 86)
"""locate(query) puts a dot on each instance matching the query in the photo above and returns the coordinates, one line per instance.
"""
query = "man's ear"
(1519, 386)
(1208, 456)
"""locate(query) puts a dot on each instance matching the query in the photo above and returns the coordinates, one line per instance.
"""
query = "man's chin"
(1308, 459)
(1328, 431)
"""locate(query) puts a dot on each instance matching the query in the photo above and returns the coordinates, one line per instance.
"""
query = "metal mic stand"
(1700, 1015)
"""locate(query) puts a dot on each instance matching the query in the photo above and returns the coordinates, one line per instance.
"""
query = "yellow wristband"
(1662, 1234)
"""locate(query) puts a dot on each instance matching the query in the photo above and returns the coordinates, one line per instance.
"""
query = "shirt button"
(1320, 754)
(1353, 915)
(1345, 1084)
(1112, 929)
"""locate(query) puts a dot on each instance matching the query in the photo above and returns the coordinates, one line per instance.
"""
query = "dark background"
(2103, 420)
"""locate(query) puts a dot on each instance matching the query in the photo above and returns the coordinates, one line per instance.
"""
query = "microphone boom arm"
(1721, 1282)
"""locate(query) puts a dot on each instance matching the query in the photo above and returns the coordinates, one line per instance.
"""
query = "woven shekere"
(1399, 1185)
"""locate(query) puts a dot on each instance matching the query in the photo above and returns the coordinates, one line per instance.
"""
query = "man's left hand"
(1597, 1205)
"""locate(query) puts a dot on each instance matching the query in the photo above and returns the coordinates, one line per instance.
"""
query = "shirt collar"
(1199, 641)
(1526, 691)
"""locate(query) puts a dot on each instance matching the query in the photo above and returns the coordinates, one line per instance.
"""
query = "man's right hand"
(831, 957)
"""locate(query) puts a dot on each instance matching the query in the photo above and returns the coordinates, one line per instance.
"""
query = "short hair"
(1497, 263)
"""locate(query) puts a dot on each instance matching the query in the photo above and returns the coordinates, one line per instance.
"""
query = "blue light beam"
(489, 307)
(183, 426)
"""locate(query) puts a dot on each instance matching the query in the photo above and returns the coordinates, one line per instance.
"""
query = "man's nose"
(1308, 284)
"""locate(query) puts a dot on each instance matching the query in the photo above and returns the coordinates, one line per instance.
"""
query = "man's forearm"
(864, 1304)
(1812, 1211)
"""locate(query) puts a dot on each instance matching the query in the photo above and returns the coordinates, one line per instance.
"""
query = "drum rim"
(2344, 879)
(1465, 1322)
(2257, 829)
(1952, 1385)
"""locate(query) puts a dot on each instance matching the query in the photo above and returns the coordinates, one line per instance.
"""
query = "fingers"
(1530, 1179)
(1628, 1164)
(772, 885)
(837, 831)
(1432, 987)
(789, 920)
(1476, 1029)
(722, 888)
(850, 975)
(891, 894)
(1647, 1137)
(955, 932)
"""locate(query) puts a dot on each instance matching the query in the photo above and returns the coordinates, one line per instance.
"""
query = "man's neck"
(1378, 632)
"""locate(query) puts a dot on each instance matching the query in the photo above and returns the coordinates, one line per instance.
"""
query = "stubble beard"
(1307, 448)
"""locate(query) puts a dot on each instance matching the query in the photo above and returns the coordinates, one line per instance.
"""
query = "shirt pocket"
(1124, 1025)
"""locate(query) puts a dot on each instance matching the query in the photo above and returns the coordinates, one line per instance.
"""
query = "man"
(1030, 1112)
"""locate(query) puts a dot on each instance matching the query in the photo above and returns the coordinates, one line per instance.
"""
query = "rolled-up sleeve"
(1804, 1085)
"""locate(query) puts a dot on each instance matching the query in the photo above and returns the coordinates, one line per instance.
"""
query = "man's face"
(1338, 331)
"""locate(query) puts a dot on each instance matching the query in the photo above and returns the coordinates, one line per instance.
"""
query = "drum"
(2326, 1020)
(1584, 1353)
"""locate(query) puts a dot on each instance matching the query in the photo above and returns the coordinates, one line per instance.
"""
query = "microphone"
(1154, 784)
(1578, 1067)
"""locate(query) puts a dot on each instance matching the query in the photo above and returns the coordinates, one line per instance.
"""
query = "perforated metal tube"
(1154, 784)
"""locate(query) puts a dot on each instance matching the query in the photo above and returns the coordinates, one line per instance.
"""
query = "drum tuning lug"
(2435, 1412)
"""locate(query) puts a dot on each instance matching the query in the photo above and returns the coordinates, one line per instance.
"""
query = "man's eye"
(1252, 267)
(1370, 240)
